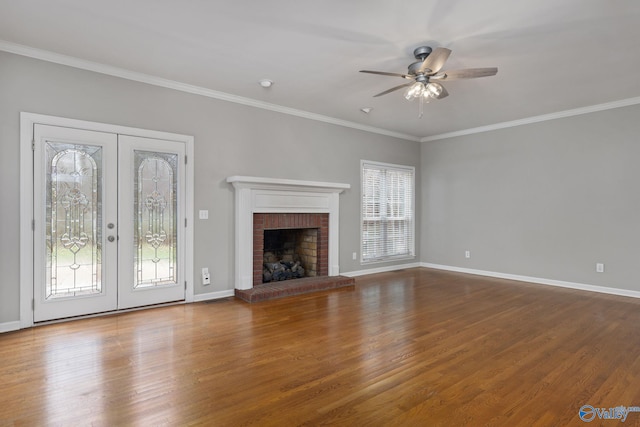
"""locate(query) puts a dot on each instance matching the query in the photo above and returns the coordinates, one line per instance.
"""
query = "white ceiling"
(552, 55)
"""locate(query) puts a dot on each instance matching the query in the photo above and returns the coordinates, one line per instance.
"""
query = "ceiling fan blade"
(435, 60)
(393, 89)
(384, 73)
(468, 73)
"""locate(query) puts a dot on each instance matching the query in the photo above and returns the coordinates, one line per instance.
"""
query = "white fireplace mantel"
(269, 195)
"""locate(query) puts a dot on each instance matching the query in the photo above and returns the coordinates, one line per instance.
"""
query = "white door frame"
(27, 121)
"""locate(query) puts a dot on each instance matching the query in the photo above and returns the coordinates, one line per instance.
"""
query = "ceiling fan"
(426, 75)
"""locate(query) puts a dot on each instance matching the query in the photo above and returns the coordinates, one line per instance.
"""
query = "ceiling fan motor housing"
(414, 68)
(420, 53)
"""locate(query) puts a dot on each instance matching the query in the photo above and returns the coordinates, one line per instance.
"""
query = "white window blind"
(387, 211)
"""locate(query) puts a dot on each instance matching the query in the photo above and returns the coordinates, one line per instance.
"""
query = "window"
(387, 211)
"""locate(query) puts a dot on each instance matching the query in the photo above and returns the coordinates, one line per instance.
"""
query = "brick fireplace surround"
(287, 203)
(272, 221)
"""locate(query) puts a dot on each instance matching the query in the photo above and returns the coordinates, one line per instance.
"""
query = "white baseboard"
(214, 295)
(14, 326)
(538, 280)
(381, 269)
(9, 326)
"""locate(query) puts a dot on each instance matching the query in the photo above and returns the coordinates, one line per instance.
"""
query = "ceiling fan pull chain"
(421, 109)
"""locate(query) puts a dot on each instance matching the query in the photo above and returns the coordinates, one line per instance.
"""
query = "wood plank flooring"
(418, 347)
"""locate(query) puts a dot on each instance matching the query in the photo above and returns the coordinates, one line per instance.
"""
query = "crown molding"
(536, 119)
(96, 67)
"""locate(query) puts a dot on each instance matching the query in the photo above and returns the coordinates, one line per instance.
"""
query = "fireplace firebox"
(290, 254)
(285, 244)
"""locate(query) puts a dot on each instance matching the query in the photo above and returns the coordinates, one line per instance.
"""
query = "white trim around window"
(387, 212)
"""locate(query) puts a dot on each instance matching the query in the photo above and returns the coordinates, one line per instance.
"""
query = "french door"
(107, 229)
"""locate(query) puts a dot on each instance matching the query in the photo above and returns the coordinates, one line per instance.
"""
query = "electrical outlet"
(206, 279)
(467, 254)
(599, 267)
(355, 256)
(203, 214)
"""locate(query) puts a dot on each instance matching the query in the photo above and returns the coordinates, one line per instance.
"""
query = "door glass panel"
(155, 219)
(73, 218)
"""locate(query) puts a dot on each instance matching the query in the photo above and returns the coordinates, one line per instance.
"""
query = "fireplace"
(267, 204)
(290, 238)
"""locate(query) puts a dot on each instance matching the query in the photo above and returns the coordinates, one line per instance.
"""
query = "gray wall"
(230, 139)
(545, 200)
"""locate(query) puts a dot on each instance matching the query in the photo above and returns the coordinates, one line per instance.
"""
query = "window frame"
(410, 254)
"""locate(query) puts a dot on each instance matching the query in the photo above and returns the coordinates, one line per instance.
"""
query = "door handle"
(111, 238)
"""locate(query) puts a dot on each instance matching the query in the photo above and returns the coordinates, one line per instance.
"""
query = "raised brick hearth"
(287, 288)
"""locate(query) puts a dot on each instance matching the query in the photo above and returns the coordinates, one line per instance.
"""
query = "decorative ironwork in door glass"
(155, 219)
(73, 220)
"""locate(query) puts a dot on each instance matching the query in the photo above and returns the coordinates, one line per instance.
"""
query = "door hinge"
(185, 222)
(33, 224)
(185, 285)
(185, 160)
(33, 145)
(33, 304)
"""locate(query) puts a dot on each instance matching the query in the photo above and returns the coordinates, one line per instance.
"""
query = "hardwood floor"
(409, 348)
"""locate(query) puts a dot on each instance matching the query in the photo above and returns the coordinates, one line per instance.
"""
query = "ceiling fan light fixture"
(416, 90)
(433, 90)
(265, 83)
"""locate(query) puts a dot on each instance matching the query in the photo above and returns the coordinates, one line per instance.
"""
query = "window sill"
(388, 259)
